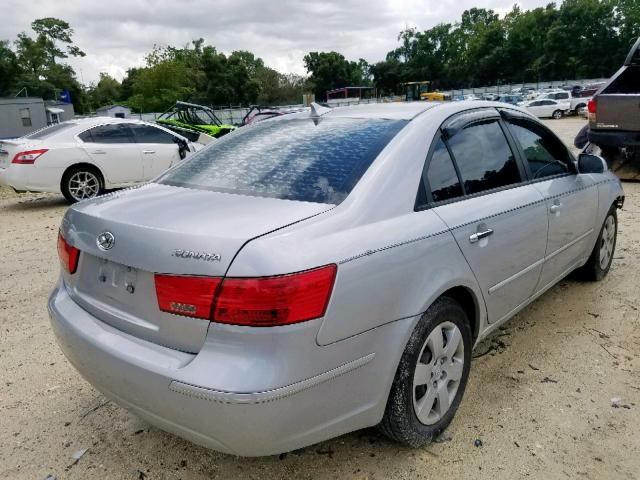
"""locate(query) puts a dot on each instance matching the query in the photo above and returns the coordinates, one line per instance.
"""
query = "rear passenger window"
(441, 175)
(545, 154)
(484, 158)
(149, 134)
(117, 133)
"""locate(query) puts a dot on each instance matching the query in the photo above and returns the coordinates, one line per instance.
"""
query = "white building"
(117, 111)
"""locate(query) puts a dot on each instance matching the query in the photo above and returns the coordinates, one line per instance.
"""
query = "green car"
(189, 119)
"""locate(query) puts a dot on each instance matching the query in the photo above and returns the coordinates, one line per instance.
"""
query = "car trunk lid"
(167, 230)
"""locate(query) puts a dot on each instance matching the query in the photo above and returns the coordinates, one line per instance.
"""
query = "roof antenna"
(318, 110)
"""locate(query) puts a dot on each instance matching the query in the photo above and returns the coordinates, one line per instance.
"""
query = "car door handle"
(479, 235)
(99, 152)
(148, 151)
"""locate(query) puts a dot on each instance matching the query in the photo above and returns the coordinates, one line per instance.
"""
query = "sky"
(116, 34)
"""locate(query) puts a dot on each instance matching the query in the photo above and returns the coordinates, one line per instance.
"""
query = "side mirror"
(589, 163)
(183, 147)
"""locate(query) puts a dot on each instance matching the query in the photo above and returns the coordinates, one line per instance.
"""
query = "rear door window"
(115, 133)
(305, 159)
(149, 134)
(484, 158)
(545, 154)
(442, 178)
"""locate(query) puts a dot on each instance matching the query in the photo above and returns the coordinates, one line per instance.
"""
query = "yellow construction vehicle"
(414, 91)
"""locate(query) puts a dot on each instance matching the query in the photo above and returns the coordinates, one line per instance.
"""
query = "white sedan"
(546, 107)
(82, 158)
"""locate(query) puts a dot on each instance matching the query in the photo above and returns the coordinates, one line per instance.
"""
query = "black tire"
(593, 270)
(557, 114)
(67, 186)
(400, 421)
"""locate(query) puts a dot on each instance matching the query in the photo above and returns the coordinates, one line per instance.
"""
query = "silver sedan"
(319, 273)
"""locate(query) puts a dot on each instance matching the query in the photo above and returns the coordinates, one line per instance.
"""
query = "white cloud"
(117, 34)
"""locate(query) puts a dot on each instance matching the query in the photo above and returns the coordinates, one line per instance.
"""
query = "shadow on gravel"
(46, 202)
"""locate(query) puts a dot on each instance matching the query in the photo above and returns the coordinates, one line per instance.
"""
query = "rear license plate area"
(116, 281)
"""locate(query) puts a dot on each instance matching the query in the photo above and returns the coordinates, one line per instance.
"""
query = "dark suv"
(614, 111)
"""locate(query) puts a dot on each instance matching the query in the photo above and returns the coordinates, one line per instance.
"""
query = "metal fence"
(506, 88)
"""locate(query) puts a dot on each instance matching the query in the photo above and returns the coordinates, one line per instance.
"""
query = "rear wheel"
(431, 376)
(81, 183)
(557, 114)
(601, 256)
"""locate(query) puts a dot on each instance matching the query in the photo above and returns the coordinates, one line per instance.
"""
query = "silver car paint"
(148, 224)
(299, 384)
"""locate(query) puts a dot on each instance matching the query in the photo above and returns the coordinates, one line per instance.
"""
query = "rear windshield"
(628, 82)
(312, 160)
(46, 132)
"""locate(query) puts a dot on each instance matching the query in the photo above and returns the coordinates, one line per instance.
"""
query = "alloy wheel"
(83, 185)
(438, 373)
(607, 242)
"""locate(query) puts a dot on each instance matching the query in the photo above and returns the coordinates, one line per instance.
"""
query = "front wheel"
(431, 377)
(601, 256)
(557, 114)
(81, 183)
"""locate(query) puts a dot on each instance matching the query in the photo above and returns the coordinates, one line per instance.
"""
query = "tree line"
(576, 39)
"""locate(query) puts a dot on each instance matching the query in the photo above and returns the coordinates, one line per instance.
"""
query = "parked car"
(258, 113)
(492, 97)
(83, 158)
(614, 111)
(547, 108)
(576, 104)
(588, 90)
(311, 275)
(511, 99)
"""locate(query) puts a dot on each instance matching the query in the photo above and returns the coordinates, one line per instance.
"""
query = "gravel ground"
(539, 395)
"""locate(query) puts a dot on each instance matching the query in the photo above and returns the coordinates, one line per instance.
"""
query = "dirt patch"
(539, 397)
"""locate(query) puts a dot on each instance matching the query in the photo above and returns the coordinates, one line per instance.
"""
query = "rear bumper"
(614, 138)
(10, 178)
(28, 178)
(201, 398)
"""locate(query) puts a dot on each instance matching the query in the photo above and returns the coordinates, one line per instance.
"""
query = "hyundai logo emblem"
(105, 241)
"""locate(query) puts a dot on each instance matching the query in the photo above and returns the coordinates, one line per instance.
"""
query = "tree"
(576, 39)
(106, 92)
(37, 58)
(9, 69)
(159, 85)
(330, 70)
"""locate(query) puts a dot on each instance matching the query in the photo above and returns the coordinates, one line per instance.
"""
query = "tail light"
(28, 157)
(68, 255)
(257, 302)
(271, 301)
(189, 296)
(591, 109)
